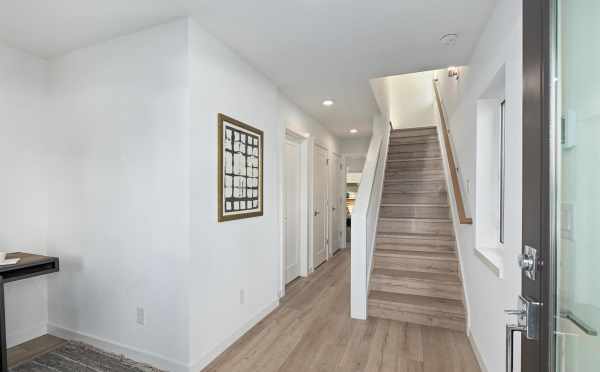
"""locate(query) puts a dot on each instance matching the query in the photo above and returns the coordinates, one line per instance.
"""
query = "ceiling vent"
(449, 40)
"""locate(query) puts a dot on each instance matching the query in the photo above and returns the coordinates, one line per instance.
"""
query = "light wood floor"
(33, 348)
(312, 331)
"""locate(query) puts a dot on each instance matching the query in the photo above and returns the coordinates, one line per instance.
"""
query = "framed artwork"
(240, 170)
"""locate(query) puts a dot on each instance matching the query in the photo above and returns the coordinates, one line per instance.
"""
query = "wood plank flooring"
(312, 331)
(32, 349)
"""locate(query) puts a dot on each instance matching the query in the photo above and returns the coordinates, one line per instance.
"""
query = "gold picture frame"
(240, 170)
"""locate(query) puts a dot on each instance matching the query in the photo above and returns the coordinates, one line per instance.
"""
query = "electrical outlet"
(140, 316)
(242, 297)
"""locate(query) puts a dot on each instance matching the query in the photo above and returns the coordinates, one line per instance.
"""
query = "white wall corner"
(114, 347)
(26, 334)
(211, 355)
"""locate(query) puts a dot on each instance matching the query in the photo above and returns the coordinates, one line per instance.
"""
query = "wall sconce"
(453, 72)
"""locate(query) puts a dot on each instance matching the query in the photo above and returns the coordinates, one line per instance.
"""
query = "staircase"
(416, 273)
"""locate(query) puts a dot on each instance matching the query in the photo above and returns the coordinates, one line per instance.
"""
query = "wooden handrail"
(462, 215)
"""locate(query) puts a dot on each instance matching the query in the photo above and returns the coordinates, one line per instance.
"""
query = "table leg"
(3, 353)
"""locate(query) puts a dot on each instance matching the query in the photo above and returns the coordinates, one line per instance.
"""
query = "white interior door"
(320, 206)
(337, 208)
(292, 209)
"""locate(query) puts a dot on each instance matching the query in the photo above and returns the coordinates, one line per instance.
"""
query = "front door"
(561, 198)
(576, 40)
(536, 278)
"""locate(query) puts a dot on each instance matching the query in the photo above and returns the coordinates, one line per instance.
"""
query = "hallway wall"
(235, 266)
(119, 215)
(500, 46)
(23, 190)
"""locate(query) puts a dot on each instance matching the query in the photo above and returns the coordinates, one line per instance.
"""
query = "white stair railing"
(364, 219)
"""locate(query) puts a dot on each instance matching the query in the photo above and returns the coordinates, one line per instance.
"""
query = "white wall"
(365, 216)
(407, 100)
(293, 118)
(244, 255)
(234, 256)
(355, 146)
(500, 45)
(120, 194)
(23, 196)
(355, 153)
(130, 201)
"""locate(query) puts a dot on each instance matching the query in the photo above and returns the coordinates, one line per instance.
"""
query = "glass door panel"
(577, 122)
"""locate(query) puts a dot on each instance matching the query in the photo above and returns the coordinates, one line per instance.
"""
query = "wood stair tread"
(424, 205)
(447, 220)
(416, 272)
(401, 130)
(416, 236)
(417, 275)
(419, 303)
(398, 141)
(442, 256)
(414, 159)
(416, 192)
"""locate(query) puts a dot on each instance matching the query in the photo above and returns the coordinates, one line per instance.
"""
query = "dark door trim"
(536, 354)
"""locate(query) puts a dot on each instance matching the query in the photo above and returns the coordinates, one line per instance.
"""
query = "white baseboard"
(22, 335)
(476, 351)
(151, 358)
(207, 358)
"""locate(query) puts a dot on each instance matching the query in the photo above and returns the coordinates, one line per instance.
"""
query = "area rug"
(80, 357)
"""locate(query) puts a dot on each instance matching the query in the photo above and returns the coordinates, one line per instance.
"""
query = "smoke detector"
(449, 40)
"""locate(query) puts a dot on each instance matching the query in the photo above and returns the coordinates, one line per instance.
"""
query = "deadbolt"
(528, 261)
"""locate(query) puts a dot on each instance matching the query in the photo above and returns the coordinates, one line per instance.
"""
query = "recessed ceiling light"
(353, 131)
(328, 102)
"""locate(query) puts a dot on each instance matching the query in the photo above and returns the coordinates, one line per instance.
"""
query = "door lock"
(528, 261)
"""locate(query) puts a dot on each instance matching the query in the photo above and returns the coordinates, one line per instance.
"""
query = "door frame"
(538, 178)
(304, 143)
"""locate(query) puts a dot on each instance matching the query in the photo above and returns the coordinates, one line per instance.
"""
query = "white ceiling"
(312, 49)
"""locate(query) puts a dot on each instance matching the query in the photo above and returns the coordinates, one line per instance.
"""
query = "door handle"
(316, 213)
(528, 262)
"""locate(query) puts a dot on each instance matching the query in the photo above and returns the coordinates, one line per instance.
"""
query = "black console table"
(29, 266)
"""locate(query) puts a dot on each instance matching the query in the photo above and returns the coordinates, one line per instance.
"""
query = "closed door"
(337, 204)
(292, 210)
(320, 206)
